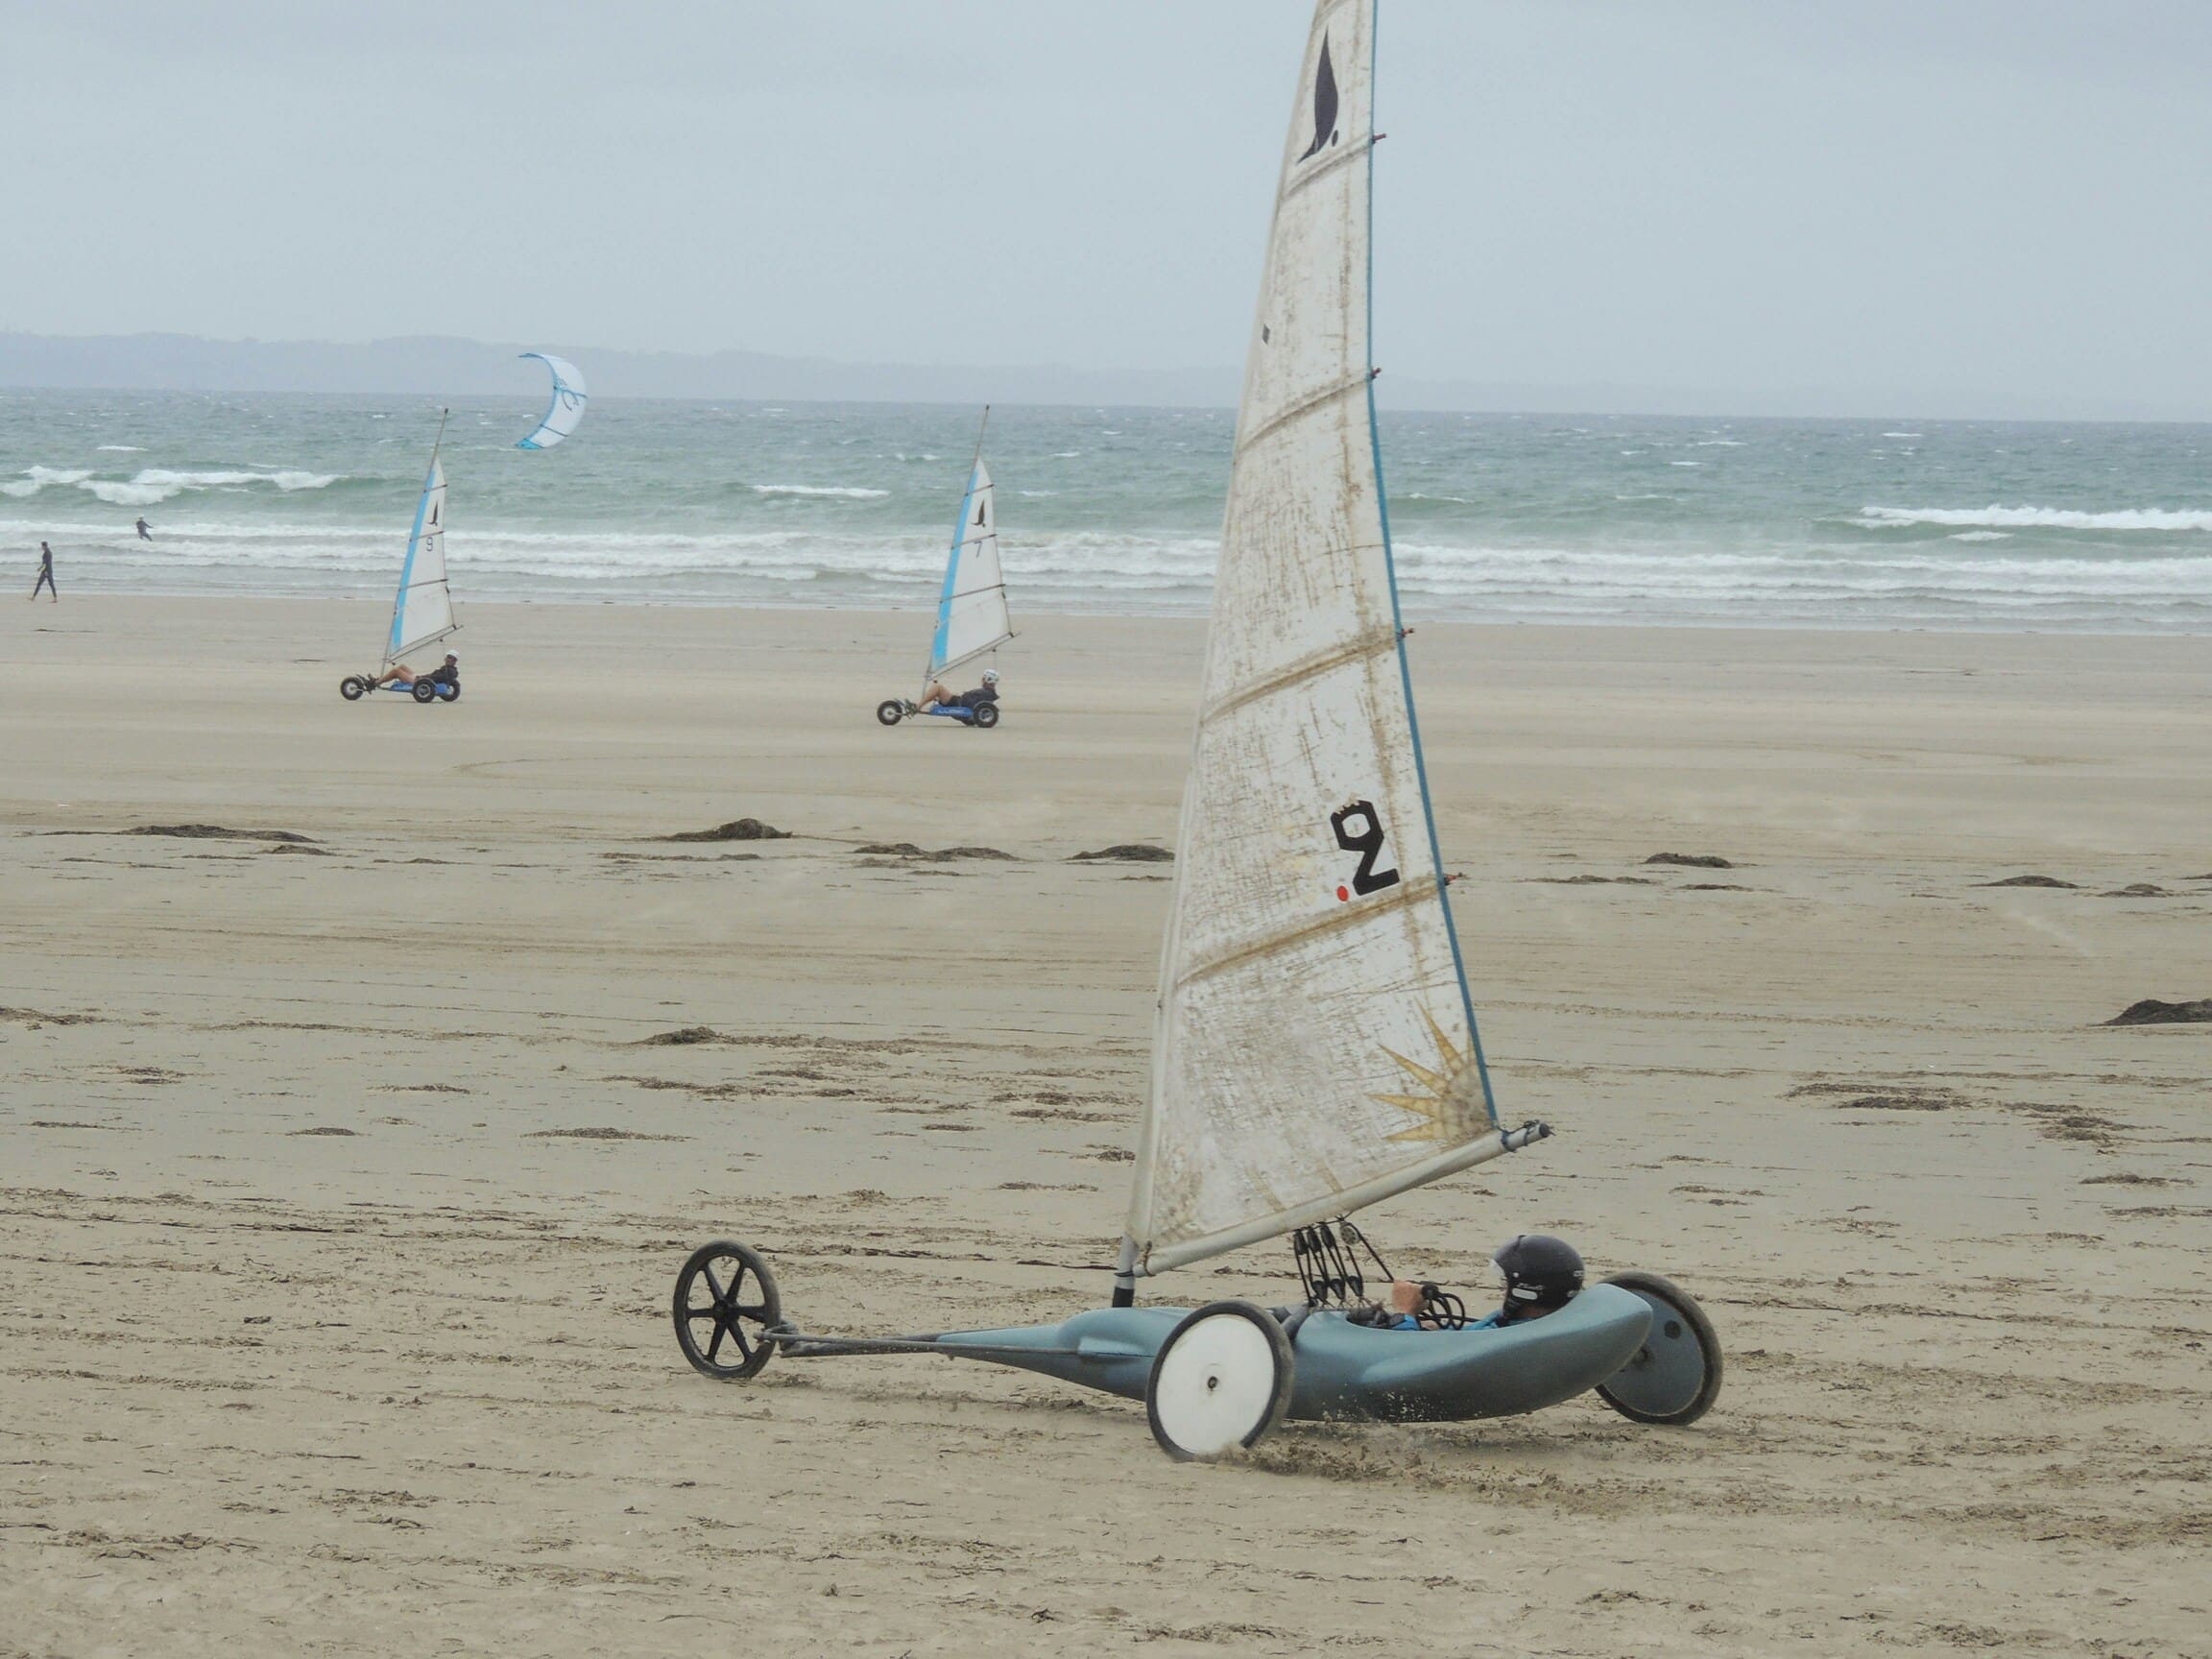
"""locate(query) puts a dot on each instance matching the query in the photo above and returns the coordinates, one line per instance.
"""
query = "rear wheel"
(1221, 1380)
(725, 1300)
(1675, 1376)
(424, 691)
(987, 716)
(452, 693)
(890, 711)
(351, 687)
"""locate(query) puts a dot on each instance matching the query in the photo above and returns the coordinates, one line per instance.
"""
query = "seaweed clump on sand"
(2152, 1012)
(907, 850)
(218, 832)
(1126, 853)
(737, 830)
(2031, 881)
(683, 1038)
(1692, 860)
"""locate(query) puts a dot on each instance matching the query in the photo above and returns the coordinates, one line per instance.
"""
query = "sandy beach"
(344, 1177)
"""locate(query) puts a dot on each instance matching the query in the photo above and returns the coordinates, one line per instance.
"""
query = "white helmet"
(990, 676)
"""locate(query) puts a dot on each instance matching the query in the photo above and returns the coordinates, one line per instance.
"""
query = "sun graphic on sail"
(1449, 1104)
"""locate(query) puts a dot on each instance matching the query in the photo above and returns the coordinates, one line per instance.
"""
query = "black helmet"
(1541, 1272)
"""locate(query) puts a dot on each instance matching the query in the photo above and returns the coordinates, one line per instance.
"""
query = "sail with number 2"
(1314, 1048)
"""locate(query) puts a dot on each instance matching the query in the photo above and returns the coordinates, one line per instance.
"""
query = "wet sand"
(342, 1186)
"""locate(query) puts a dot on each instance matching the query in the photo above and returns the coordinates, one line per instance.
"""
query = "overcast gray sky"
(1958, 197)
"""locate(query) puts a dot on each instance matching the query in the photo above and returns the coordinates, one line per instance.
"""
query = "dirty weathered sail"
(1314, 1048)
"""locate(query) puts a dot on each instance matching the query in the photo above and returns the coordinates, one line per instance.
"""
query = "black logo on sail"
(1324, 106)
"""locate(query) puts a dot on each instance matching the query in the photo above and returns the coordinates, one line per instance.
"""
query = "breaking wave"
(2040, 517)
(848, 493)
(152, 484)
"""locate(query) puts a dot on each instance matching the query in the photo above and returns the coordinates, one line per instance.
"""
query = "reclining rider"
(446, 673)
(939, 697)
(1541, 1275)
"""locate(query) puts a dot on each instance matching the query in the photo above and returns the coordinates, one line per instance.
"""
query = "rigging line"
(1395, 899)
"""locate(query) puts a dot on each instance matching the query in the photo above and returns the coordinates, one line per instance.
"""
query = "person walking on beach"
(145, 530)
(45, 575)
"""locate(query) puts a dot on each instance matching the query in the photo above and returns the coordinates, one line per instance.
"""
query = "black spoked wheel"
(725, 1300)
(987, 716)
(890, 711)
(424, 691)
(452, 693)
(1675, 1376)
(1221, 1380)
(351, 687)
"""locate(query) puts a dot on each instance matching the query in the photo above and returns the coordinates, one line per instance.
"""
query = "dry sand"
(323, 1330)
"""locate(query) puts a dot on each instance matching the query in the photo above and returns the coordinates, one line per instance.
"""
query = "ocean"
(1495, 517)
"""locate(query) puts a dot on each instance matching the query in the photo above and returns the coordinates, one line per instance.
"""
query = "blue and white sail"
(422, 610)
(565, 413)
(1314, 1046)
(972, 616)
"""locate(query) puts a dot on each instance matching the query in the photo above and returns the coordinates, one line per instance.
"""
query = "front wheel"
(353, 687)
(1675, 1376)
(987, 716)
(1221, 1380)
(726, 1301)
(890, 711)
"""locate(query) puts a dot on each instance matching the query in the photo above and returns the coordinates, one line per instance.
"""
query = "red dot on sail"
(1343, 895)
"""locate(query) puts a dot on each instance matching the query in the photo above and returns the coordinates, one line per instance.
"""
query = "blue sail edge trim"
(1398, 620)
(392, 645)
(937, 662)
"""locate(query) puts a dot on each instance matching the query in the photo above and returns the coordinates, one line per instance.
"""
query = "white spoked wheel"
(1221, 1380)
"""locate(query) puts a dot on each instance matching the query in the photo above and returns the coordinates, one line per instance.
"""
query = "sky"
(1943, 200)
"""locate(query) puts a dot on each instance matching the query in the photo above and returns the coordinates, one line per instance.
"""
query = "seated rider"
(1541, 1275)
(938, 697)
(446, 673)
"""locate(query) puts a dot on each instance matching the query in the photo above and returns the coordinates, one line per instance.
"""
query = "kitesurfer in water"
(939, 697)
(145, 530)
(1541, 1275)
(446, 673)
(45, 575)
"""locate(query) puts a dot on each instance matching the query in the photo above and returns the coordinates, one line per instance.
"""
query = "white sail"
(1315, 1046)
(422, 612)
(971, 610)
(566, 411)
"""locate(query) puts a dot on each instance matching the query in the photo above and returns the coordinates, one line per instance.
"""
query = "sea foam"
(2040, 517)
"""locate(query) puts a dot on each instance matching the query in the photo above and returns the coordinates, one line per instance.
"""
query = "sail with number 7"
(1315, 1046)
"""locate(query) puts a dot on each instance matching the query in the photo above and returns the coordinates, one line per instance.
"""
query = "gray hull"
(1348, 1370)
